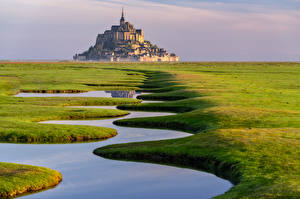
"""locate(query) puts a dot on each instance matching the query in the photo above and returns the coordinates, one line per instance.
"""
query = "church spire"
(122, 20)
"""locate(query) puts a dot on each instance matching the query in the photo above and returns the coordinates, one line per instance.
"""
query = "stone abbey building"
(125, 43)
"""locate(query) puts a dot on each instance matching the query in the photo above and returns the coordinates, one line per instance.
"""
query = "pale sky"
(196, 30)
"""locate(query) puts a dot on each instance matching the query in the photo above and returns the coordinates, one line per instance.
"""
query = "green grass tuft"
(16, 179)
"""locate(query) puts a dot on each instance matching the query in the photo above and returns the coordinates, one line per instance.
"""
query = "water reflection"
(86, 175)
(123, 94)
(115, 94)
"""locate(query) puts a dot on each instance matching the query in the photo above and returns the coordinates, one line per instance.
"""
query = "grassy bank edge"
(210, 164)
(163, 91)
(163, 151)
(25, 128)
(26, 179)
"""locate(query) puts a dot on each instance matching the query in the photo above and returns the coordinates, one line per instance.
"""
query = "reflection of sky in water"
(90, 176)
(86, 175)
(120, 94)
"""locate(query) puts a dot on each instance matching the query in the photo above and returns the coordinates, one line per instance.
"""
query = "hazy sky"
(196, 30)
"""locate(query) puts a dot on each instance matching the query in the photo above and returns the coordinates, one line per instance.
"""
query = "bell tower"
(122, 20)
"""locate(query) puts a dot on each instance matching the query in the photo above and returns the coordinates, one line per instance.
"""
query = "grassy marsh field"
(19, 116)
(245, 116)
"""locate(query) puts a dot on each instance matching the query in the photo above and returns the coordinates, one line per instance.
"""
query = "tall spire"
(122, 20)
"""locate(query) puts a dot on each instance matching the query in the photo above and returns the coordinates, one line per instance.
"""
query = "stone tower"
(122, 20)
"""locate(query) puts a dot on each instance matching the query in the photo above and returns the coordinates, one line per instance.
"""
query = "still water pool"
(86, 175)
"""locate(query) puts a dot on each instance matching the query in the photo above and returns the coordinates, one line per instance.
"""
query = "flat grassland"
(245, 116)
(19, 116)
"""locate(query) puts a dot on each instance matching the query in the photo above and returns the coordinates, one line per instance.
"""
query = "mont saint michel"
(125, 43)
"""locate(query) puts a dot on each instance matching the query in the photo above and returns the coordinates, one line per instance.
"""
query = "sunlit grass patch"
(19, 116)
(16, 179)
(246, 120)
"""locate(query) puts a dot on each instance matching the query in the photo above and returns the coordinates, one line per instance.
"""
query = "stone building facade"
(125, 43)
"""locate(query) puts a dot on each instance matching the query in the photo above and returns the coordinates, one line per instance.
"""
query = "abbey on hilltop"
(125, 43)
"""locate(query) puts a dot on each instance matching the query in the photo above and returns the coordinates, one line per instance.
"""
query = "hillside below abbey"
(125, 43)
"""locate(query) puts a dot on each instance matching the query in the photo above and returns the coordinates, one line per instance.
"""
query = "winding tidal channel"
(86, 175)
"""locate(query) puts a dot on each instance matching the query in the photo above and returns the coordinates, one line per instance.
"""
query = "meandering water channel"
(86, 175)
